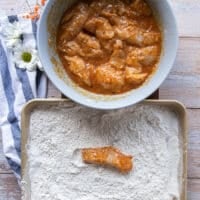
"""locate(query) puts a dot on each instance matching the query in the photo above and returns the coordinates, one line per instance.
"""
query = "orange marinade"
(109, 46)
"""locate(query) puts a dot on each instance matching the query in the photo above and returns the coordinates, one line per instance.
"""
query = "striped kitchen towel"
(20, 81)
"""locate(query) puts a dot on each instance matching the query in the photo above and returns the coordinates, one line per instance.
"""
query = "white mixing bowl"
(46, 40)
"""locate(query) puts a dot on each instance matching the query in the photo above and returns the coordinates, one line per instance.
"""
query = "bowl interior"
(53, 67)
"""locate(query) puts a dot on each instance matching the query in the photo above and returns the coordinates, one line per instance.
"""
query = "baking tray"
(30, 106)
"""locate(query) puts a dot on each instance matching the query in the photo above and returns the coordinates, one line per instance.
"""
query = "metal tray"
(30, 106)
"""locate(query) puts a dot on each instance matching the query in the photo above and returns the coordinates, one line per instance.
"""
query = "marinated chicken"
(109, 156)
(109, 46)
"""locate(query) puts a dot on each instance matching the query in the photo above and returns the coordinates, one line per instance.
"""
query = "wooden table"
(182, 84)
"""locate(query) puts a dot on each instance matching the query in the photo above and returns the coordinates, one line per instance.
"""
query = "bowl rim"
(143, 91)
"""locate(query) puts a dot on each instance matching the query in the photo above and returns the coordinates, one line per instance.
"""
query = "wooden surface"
(182, 84)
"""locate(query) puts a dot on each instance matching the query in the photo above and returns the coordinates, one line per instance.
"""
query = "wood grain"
(4, 167)
(194, 129)
(187, 13)
(53, 92)
(183, 83)
(188, 60)
(193, 189)
(9, 189)
(194, 144)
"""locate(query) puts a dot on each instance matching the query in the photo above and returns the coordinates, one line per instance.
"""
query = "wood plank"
(53, 92)
(188, 60)
(193, 163)
(4, 167)
(182, 88)
(194, 143)
(194, 127)
(193, 189)
(187, 13)
(183, 83)
(9, 189)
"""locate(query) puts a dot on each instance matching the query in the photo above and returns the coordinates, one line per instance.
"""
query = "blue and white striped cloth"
(17, 86)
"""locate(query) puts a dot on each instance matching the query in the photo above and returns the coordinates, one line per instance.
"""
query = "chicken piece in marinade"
(109, 156)
(109, 47)
(73, 22)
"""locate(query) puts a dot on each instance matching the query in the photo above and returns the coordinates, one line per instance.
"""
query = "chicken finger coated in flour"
(109, 156)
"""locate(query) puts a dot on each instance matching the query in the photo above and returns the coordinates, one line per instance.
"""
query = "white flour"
(149, 133)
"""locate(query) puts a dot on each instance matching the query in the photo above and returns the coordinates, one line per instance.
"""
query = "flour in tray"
(150, 133)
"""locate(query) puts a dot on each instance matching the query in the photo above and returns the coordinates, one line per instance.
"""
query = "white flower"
(12, 33)
(27, 58)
